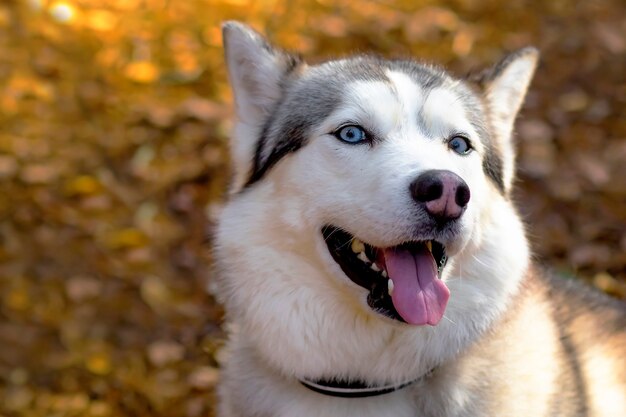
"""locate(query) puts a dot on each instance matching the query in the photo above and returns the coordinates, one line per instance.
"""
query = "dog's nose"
(443, 193)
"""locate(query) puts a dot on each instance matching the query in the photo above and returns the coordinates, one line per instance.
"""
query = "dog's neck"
(356, 388)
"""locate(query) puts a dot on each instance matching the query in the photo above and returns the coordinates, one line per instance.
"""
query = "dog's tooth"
(362, 256)
(389, 286)
(384, 273)
(375, 267)
(429, 245)
(357, 246)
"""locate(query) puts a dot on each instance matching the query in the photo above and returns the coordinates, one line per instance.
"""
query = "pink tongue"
(419, 296)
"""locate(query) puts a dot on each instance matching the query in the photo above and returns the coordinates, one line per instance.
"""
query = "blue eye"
(351, 134)
(460, 145)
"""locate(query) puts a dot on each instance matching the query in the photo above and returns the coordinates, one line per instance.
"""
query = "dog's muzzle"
(404, 281)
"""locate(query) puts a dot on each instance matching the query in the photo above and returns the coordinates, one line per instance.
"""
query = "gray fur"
(311, 95)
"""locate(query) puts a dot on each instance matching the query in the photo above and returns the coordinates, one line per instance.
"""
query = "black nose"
(443, 193)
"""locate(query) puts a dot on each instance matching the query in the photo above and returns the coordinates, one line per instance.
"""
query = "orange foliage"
(114, 119)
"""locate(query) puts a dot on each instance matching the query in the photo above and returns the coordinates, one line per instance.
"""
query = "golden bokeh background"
(114, 119)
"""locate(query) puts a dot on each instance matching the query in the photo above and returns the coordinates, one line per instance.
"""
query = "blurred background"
(114, 119)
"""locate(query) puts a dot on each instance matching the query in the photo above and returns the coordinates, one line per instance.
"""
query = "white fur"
(293, 312)
(505, 95)
(444, 114)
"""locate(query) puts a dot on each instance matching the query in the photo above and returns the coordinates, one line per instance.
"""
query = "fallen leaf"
(162, 352)
(144, 72)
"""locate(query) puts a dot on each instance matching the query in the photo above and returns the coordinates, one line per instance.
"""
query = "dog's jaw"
(404, 281)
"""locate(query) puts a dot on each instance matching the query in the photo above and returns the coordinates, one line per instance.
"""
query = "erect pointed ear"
(256, 71)
(504, 86)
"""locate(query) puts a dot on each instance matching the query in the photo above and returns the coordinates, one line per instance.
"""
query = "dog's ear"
(256, 71)
(504, 87)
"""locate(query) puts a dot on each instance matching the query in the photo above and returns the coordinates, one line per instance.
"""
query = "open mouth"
(404, 281)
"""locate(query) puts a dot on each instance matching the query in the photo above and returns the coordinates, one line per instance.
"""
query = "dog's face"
(363, 188)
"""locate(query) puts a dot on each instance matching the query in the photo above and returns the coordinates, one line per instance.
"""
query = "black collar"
(355, 389)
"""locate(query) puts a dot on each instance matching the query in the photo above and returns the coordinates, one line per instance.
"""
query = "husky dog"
(371, 261)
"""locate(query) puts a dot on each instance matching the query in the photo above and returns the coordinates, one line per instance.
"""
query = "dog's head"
(369, 194)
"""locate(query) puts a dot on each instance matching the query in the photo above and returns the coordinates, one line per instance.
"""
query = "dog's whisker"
(481, 262)
(346, 244)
